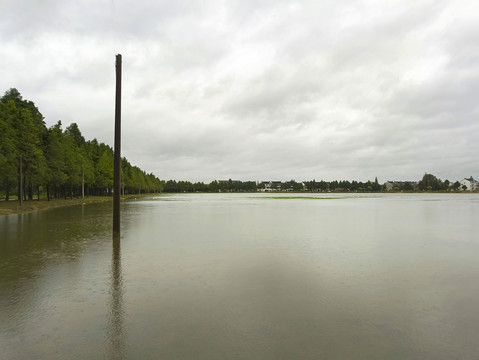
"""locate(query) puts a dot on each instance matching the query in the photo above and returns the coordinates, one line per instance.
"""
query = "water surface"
(244, 276)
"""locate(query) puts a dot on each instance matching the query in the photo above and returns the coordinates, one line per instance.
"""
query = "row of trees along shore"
(428, 182)
(55, 161)
(248, 186)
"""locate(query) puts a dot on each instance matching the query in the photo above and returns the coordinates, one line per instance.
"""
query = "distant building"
(470, 183)
(271, 185)
(401, 185)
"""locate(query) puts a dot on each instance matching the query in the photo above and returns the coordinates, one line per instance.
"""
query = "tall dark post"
(115, 331)
(117, 160)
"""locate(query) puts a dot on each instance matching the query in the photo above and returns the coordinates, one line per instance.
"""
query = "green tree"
(28, 133)
(429, 182)
(8, 150)
(55, 158)
(213, 186)
(249, 186)
(311, 185)
(292, 185)
(334, 185)
(446, 184)
(29, 146)
(323, 185)
(375, 185)
(73, 164)
(74, 132)
(456, 186)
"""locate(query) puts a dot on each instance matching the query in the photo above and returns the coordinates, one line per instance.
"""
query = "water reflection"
(243, 277)
(116, 334)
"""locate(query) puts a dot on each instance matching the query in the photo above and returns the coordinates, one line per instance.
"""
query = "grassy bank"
(14, 207)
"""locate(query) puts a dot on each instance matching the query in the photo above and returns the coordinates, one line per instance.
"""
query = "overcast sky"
(258, 90)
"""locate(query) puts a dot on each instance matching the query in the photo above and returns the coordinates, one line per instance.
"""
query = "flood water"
(244, 276)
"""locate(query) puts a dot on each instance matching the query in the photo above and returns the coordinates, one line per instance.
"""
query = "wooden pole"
(117, 149)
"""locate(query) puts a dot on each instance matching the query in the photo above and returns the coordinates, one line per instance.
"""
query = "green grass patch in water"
(306, 197)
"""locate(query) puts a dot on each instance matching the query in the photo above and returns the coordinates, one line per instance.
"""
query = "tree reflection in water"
(115, 331)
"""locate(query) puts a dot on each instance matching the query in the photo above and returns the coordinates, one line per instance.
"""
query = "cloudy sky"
(258, 90)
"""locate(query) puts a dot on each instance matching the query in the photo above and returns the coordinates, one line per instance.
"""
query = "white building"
(271, 186)
(470, 183)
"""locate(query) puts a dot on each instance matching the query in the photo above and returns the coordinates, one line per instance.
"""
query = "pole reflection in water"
(115, 331)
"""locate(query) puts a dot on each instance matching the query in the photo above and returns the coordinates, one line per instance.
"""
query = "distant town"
(428, 182)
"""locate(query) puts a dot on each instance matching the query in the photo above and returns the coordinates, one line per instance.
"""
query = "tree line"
(57, 162)
(428, 182)
(251, 186)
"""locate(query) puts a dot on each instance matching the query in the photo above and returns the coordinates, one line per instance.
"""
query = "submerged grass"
(306, 197)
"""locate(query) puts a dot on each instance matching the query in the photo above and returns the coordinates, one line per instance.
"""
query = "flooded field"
(244, 276)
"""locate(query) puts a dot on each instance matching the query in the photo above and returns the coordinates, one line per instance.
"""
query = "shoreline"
(13, 207)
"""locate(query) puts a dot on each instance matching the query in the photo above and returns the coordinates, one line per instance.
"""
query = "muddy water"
(244, 276)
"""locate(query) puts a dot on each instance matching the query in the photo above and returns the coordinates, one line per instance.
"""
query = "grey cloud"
(117, 19)
(447, 102)
(447, 99)
(258, 90)
(274, 93)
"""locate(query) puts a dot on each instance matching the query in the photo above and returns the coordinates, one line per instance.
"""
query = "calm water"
(244, 276)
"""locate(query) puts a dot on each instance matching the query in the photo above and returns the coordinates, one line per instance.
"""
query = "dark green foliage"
(8, 150)
(456, 186)
(56, 161)
(292, 185)
(430, 182)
